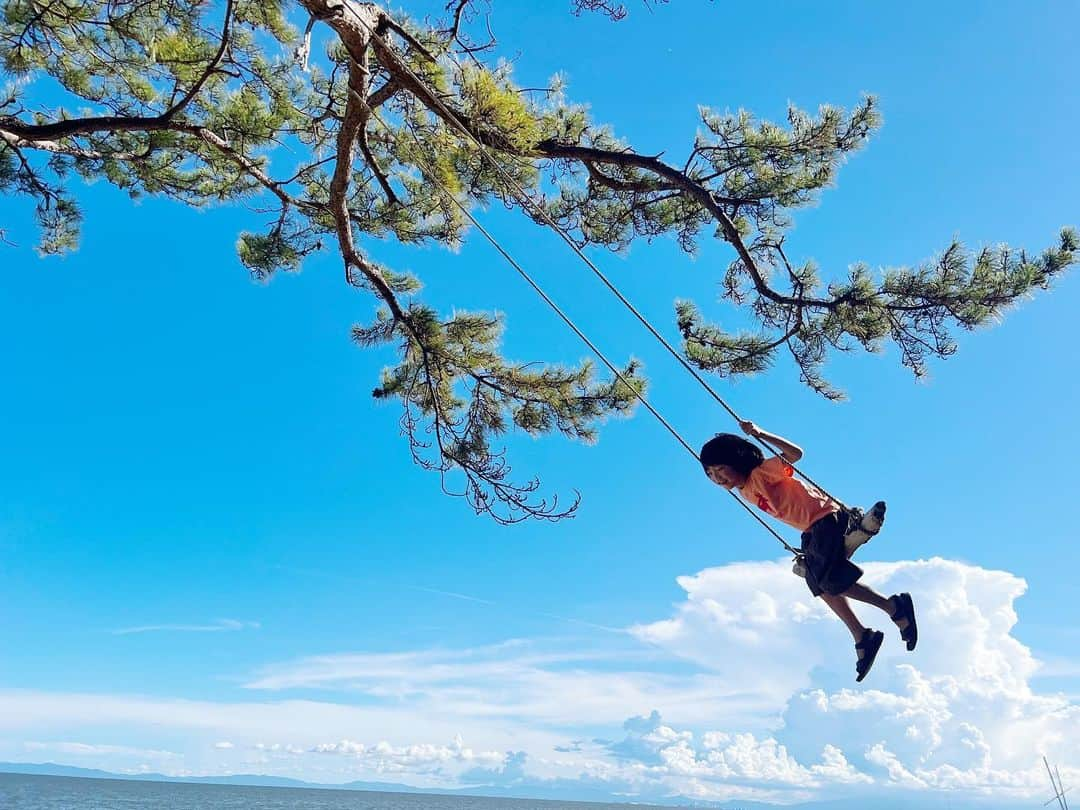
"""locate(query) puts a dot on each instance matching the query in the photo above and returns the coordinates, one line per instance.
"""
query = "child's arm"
(791, 453)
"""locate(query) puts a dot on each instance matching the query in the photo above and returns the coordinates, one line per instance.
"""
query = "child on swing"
(830, 533)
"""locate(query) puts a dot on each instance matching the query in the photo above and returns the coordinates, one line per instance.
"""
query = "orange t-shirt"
(771, 486)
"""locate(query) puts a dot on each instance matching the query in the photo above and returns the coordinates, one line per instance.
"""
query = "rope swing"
(539, 212)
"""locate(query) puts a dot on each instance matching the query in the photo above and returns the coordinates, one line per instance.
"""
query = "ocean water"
(19, 792)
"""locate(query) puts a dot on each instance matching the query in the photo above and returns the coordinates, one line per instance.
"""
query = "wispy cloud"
(452, 595)
(1051, 666)
(583, 623)
(308, 572)
(464, 597)
(523, 682)
(219, 626)
(79, 749)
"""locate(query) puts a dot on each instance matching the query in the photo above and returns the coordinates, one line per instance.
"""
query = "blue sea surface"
(19, 792)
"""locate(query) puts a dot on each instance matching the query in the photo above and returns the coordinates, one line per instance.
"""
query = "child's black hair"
(734, 451)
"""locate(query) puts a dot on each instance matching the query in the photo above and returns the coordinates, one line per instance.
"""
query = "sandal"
(905, 611)
(868, 646)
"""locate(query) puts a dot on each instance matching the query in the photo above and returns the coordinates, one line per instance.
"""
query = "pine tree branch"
(56, 148)
(57, 130)
(245, 163)
(459, 7)
(196, 88)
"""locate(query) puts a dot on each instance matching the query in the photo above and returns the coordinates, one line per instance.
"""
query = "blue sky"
(203, 503)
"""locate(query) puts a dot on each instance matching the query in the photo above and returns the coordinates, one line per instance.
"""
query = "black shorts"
(828, 570)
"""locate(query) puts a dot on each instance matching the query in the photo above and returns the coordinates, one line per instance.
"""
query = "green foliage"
(912, 306)
(705, 344)
(494, 104)
(452, 375)
(763, 169)
(59, 220)
(264, 255)
(268, 15)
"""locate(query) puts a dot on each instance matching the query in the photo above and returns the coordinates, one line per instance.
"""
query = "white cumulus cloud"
(958, 713)
(382, 757)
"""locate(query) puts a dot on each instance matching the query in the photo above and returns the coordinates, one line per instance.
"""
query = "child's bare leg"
(892, 606)
(842, 608)
(862, 593)
(867, 642)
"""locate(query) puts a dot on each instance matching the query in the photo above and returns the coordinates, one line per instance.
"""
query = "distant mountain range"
(567, 794)
(564, 792)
